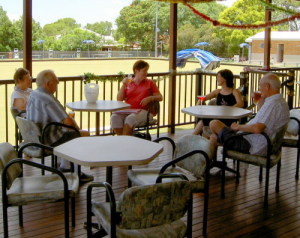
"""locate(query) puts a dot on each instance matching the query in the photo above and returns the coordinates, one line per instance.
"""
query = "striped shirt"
(274, 114)
(43, 108)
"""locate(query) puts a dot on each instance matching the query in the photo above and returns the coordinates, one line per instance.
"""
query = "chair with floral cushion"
(192, 157)
(31, 132)
(272, 158)
(19, 190)
(292, 139)
(143, 211)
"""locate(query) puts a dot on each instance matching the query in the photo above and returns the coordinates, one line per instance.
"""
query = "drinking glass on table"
(201, 98)
(256, 96)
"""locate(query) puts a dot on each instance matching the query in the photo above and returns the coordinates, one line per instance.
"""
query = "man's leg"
(216, 126)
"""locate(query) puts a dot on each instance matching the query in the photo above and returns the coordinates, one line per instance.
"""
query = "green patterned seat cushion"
(149, 211)
(153, 205)
(175, 229)
(254, 159)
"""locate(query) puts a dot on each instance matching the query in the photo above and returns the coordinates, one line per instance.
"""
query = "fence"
(188, 86)
(52, 54)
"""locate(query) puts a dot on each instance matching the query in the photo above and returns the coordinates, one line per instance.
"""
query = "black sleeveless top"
(226, 100)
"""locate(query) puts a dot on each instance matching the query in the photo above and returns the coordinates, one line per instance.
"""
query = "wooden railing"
(189, 85)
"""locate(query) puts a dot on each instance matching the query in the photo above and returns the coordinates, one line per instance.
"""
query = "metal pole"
(267, 41)
(172, 67)
(27, 34)
(156, 25)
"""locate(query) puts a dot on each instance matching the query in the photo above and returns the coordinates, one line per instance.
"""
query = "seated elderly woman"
(138, 92)
(22, 90)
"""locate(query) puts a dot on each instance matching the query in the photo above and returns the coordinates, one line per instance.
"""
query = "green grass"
(99, 67)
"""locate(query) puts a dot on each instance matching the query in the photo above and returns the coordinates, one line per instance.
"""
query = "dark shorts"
(227, 122)
(237, 144)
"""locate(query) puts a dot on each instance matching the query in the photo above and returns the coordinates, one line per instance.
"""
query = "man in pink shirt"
(138, 92)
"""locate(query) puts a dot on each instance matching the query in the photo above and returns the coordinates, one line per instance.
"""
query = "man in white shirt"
(272, 115)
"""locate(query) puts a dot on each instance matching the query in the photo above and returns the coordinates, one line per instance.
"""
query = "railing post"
(290, 85)
(244, 78)
(198, 85)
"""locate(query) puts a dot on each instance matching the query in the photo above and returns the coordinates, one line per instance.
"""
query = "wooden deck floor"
(240, 214)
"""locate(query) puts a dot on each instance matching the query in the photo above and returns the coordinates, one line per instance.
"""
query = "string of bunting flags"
(244, 26)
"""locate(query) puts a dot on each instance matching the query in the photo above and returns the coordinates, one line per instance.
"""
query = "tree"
(136, 22)
(289, 6)
(103, 27)
(241, 12)
(73, 40)
(60, 27)
(7, 33)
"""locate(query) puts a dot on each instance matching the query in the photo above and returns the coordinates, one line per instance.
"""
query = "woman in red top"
(138, 92)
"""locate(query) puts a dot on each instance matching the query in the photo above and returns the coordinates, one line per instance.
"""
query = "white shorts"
(133, 119)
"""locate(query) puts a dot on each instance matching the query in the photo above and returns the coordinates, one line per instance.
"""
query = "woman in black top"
(226, 96)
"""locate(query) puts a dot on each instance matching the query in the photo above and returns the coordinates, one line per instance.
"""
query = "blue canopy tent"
(202, 44)
(207, 60)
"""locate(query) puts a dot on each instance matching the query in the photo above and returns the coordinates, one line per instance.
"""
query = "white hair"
(273, 80)
(44, 77)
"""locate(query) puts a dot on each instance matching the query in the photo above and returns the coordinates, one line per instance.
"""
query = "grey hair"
(273, 80)
(44, 77)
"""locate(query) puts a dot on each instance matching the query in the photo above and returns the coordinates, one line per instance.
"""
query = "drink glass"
(201, 98)
(129, 77)
(72, 114)
(256, 96)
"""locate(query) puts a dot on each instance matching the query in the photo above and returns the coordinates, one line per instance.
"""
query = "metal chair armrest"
(169, 140)
(173, 162)
(36, 165)
(170, 175)
(44, 147)
(298, 121)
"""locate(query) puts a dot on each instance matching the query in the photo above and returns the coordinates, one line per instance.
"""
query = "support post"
(172, 67)
(27, 34)
(267, 41)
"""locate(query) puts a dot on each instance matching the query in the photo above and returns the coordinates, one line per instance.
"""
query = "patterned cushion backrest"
(293, 126)
(196, 164)
(153, 205)
(277, 139)
(8, 153)
(29, 130)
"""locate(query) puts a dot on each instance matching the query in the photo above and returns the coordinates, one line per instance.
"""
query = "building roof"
(277, 35)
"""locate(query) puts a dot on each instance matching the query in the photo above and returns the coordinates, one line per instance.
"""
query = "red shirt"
(134, 93)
